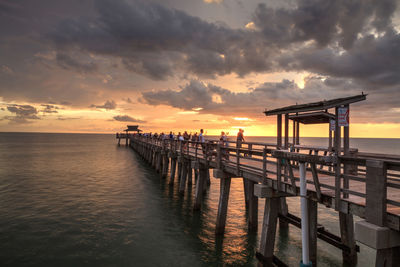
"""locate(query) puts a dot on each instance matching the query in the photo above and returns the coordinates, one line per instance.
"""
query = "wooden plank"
(347, 236)
(291, 176)
(246, 193)
(253, 207)
(286, 131)
(316, 181)
(376, 191)
(313, 224)
(182, 181)
(268, 233)
(225, 184)
(198, 198)
(173, 168)
(337, 165)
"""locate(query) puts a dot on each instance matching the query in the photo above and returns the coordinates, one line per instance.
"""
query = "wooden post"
(294, 133)
(196, 175)
(376, 192)
(286, 131)
(199, 188)
(312, 207)
(182, 181)
(267, 240)
(165, 164)
(279, 131)
(346, 148)
(246, 194)
(279, 146)
(253, 207)
(286, 143)
(190, 174)
(389, 257)
(297, 133)
(284, 210)
(225, 184)
(347, 236)
(337, 165)
(159, 161)
(179, 169)
(173, 168)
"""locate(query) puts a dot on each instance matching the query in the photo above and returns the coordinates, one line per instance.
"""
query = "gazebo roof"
(132, 128)
(312, 117)
(316, 106)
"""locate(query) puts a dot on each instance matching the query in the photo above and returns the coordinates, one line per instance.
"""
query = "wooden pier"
(341, 178)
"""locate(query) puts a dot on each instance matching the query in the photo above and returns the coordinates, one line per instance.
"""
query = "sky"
(97, 65)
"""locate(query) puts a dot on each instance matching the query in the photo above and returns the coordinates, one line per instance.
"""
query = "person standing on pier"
(194, 139)
(240, 139)
(222, 141)
(202, 141)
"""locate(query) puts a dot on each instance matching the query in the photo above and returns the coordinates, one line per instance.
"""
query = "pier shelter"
(126, 135)
(320, 113)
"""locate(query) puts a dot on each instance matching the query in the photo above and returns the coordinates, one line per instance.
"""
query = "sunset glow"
(98, 75)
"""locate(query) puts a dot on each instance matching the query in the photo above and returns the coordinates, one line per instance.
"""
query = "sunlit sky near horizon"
(97, 65)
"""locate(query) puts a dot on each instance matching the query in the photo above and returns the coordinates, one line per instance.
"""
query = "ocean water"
(81, 200)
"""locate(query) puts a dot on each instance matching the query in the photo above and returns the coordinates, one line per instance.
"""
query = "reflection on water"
(80, 200)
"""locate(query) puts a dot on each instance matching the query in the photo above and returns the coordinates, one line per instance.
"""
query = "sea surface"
(81, 200)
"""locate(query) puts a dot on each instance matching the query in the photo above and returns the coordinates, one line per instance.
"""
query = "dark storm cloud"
(354, 40)
(126, 118)
(69, 63)
(372, 61)
(23, 114)
(324, 21)
(107, 105)
(157, 41)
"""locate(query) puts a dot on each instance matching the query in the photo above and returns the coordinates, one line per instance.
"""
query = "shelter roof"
(312, 117)
(314, 106)
(132, 128)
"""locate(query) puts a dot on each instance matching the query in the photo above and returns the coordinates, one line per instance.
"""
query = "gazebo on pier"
(130, 128)
(319, 113)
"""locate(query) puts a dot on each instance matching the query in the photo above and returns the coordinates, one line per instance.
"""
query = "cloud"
(49, 108)
(371, 61)
(324, 21)
(60, 118)
(160, 42)
(107, 105)
(156, 41)
(128, 100)
(213, 1)
(67, 62)
(340, 40)
(274, 95)
(126, 118)
(23, 114)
